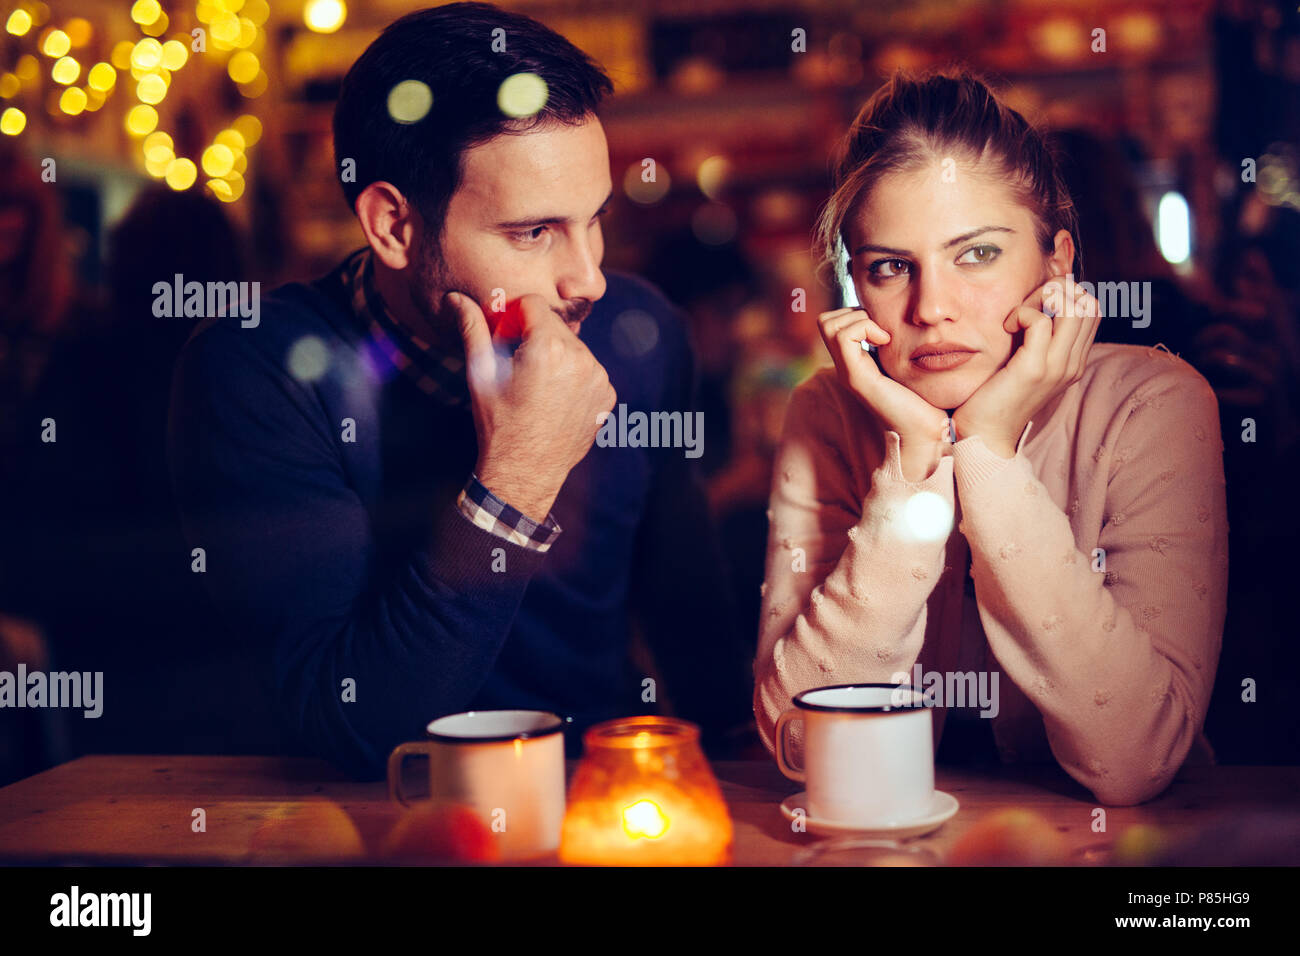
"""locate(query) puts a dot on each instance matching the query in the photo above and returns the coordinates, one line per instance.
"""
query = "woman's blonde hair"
(914, 119)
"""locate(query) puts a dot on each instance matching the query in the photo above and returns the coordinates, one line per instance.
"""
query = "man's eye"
(887, 268)
(528, 235)
(977, 255)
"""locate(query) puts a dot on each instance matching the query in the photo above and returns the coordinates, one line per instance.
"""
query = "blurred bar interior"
(1182, 127)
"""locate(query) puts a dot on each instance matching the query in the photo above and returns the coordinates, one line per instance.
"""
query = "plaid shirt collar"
(434, 373)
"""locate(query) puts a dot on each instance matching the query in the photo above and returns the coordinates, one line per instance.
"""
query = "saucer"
(942, 807)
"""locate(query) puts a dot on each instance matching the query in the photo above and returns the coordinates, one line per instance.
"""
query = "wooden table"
(138, 809)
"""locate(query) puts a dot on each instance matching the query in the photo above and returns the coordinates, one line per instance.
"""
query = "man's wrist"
(524, 496)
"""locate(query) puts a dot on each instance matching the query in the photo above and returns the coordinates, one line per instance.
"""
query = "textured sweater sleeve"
(289, 558)
(847, 577)
(1119, 658)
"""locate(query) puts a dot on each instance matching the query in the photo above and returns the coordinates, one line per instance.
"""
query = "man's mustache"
(577, 312)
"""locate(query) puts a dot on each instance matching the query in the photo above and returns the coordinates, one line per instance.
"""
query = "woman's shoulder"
(1138, 375)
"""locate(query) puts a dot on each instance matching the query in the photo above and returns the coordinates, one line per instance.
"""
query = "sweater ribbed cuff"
(893, 467)
(462, 555)
(974, 463)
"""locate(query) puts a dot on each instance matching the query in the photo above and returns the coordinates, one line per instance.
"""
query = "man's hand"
(1051, 359)
(537, 412)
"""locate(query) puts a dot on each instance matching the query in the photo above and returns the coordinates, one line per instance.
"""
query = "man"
(411, 516)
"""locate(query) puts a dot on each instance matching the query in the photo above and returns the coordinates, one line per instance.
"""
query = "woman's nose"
(935, 301)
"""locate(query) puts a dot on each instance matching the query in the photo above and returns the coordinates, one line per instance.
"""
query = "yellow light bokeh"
(159, 153)
(231, 139)
(101, 77)
(19, 22)
(236, 183)
(157, 165)
(249, 127)
(10, 85)
(257, 87)
(257, 11)
(27, 68)
(217, 160)
(121, 55)
(95, 99)
(247, 33)
(221, 189)
(79, 31)
(324, 16)
(65, 70)
(158, 27)
(225, 29)
(56, 44)
(73, 100)
(241, 163)
(243, 67)
(152, 89)
(155, 139)
(13, 121)
(141, 119)
(174, 55)
(181, 174)
(145, 12)
(147, 54)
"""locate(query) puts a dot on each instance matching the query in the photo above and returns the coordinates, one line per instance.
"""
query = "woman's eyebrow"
(973, 233)
(903, 253)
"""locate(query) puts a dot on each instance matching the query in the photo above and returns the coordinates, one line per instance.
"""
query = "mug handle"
(794, 773)
(397, 759)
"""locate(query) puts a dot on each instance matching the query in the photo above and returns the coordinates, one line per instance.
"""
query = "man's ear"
(389, 222)
(1061, 261)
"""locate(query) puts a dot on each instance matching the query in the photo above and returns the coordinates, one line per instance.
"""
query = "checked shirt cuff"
(495, 516)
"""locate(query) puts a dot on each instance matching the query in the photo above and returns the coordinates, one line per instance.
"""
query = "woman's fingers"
(833, 324)
(1090, 308)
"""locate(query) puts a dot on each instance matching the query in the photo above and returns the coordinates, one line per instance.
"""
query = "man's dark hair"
(450, 50)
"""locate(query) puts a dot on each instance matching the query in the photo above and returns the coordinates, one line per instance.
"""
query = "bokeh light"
(101, 77)
(141, 119)
(65, 70)
(19, 22)
(324, 16)
(73, 101)
(181, 174)
(56, 44)
(643, 192)
(521, 95)
(409, 101)
(12, 121)
(217, 160)
(927, 517)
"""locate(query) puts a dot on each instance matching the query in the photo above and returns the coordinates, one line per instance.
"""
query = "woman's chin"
(945, 395)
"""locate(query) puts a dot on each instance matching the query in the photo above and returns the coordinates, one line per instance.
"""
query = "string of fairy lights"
(229, 33)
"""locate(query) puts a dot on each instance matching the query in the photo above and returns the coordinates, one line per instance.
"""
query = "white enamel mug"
(505, 765)
(868, 753)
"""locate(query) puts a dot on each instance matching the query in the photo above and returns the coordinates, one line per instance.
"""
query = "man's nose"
(579, 272)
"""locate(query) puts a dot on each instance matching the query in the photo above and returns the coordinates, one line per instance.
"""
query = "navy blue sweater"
(348, 559)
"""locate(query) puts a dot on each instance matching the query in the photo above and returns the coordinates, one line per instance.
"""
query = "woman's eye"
(887, 268)
(977, 255)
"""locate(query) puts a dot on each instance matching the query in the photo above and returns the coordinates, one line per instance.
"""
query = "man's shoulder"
(637, 316)
(296, 317)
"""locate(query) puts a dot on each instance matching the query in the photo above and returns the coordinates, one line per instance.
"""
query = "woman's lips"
(942, 361)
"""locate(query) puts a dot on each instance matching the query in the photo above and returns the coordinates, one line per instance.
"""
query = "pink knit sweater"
(1108, 673)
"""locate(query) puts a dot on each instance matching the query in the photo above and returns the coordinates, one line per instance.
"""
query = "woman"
(1088, 563)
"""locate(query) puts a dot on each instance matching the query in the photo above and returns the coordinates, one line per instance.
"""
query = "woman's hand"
(896, 405)
(1051, 359)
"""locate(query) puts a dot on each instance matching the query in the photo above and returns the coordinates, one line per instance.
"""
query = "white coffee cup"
(868, 753)
(505, 765)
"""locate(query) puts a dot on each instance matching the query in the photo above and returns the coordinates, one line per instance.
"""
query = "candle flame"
(644, 819)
